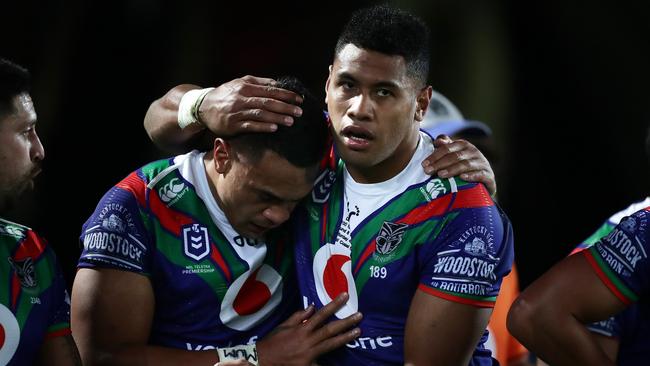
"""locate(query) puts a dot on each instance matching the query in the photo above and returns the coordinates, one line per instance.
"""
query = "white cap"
(443, 117)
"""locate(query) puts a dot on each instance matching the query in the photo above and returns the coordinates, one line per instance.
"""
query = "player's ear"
(223, 155)
(423, 99)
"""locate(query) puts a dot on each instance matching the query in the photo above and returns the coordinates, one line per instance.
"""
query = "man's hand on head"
(248, 104)
(452, 158)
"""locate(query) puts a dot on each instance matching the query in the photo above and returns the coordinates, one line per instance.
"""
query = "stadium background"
(564, 85)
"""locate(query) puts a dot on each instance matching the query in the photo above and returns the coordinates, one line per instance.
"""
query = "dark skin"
(552, 324)
(110, 331)
(252, 104)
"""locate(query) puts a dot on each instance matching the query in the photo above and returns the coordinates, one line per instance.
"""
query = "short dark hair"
(14, 80)
(303, 143)
(393, 32)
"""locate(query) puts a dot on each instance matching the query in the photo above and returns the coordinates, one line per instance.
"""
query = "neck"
(389, 167)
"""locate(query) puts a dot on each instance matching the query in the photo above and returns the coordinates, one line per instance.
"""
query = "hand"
(248, 104)
(451, 158)
(303, 337)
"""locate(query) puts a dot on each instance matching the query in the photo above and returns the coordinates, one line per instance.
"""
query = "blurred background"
(562, 84)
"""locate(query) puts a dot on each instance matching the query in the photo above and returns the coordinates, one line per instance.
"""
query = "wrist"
(188, 108)
(247, 352)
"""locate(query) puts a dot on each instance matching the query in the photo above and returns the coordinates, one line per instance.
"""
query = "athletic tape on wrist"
(245, 351)
(188, 109)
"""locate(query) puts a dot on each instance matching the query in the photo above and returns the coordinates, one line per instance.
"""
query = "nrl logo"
(25, 271)
(389, 237)
(196, 241)
(323, 186)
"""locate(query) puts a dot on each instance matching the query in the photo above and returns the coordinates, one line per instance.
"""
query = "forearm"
(557, 338)
(144, 355)
(161, 121)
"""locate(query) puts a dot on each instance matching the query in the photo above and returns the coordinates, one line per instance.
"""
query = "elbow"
(521, 318)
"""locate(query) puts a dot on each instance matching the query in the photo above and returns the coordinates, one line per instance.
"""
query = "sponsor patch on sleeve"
(468, 265)
(110, 238)
(622, 256)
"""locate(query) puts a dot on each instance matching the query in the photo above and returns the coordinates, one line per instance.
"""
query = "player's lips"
(36, 172)
(357, 138)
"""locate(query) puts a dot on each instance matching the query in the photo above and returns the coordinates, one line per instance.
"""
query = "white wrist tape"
(246, 351)
(188, 109)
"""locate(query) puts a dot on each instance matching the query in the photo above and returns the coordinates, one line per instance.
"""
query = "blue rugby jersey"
(445, 237)
(34, 303)
(619, 256)
(213, 288)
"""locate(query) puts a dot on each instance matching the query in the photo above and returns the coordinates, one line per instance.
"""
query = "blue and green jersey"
(212, 287)
(34, 304)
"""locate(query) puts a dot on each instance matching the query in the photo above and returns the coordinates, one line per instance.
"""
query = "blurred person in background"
(444, 118)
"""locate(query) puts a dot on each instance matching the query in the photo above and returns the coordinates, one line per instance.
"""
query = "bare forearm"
(558, 339)
(161, 121)
(59, 351)
(152, 355)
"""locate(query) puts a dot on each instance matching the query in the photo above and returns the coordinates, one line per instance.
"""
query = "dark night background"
(563, 84)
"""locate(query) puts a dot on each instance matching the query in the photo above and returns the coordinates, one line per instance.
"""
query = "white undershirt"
(361, 200)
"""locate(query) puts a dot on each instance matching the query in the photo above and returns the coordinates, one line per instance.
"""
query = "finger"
(447, 161)
(268, 91)
(443, 151)
(328, 310)
(252, 126)
(481, 176)
(299, 316)
(456, 168)
(336, 327)
(273, 105)
(335, 342)
(260, 115)
(442, 140)
(258, 80)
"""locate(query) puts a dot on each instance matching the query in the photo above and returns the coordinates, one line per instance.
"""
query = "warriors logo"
(333, 275)
(389, 237)
(251, 298)
(24, 269)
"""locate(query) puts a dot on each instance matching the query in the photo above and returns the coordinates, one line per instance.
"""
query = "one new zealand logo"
(25, 271)
(196, 241)
(389, 237)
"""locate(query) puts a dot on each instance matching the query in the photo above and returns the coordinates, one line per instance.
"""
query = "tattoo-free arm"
(442, 332)
(247, 104)
(549, 317)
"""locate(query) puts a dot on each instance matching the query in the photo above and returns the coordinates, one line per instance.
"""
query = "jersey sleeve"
(468, 259)
(115, 236)
(59, 324)
(620, 258)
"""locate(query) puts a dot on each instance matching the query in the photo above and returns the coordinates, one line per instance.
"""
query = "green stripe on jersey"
(612, 276)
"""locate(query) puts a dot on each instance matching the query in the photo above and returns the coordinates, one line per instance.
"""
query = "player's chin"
(255, 231)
